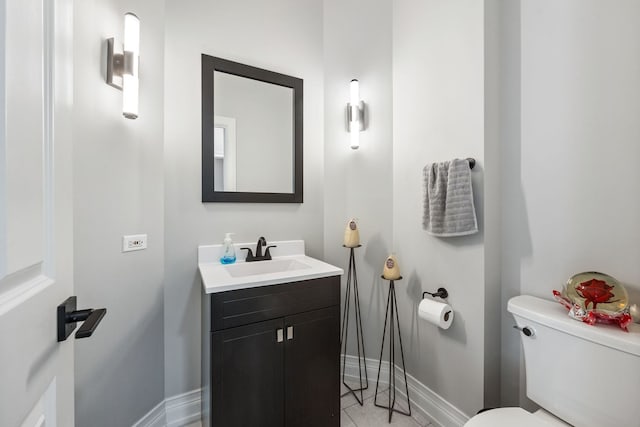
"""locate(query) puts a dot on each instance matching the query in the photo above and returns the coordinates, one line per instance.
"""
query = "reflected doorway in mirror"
(224, 153)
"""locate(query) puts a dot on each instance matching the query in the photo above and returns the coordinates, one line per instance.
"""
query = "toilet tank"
(585, 375)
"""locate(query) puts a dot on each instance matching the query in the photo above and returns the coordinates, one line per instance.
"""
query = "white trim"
(175, 411)
(43, 412)
(48, 102)
(156, 417)
(429, 404)
(27, 284)
(229, 148)
(183, 409)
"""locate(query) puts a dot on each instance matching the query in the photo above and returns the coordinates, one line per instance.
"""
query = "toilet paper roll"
(438, 313)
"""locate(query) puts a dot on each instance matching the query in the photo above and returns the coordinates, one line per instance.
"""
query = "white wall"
(283, 36)
(438, 114)
(572, 200)
(118, 190)
(359, 183)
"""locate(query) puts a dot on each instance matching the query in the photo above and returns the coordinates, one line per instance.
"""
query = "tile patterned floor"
(369, 415)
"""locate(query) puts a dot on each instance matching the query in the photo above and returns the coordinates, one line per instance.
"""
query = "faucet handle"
(267, 253)
(249, 254)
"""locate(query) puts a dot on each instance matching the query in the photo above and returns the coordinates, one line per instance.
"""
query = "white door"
(36, 95)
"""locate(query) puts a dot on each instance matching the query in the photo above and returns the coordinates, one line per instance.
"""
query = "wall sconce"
(122, 68)
(355, 114)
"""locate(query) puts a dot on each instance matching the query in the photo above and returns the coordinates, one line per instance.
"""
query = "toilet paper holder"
(441, 293)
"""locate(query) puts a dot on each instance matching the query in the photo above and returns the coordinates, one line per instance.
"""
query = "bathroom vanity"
(271, 340)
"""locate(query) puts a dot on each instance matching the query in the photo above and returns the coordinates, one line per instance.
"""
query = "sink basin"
(264, 267)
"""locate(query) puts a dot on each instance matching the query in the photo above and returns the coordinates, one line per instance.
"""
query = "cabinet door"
(247, 376)
(312, 374)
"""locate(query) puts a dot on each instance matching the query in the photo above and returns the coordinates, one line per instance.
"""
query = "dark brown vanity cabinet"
(275, 355)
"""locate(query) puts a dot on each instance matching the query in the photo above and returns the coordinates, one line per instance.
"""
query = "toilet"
(580, 375)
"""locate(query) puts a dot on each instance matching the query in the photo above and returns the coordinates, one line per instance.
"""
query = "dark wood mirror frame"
(211, 64)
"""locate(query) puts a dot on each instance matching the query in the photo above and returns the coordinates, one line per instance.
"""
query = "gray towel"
(448, 199)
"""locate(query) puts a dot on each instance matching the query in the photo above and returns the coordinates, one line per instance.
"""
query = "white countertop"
(217, 277)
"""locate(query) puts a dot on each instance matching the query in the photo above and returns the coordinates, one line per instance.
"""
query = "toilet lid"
(507, 417)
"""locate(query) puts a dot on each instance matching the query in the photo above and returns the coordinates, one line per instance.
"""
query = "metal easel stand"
(352, 281)
(391, 317)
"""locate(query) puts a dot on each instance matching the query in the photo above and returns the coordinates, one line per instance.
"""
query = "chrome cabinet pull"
(280, 335)
(289, 332)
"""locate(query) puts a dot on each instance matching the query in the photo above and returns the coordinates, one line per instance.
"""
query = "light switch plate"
(134, 242)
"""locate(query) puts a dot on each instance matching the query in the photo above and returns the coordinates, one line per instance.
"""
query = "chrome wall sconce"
(355, 114)
(122, 68)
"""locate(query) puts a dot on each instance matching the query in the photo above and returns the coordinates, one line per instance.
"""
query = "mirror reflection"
(253, 135)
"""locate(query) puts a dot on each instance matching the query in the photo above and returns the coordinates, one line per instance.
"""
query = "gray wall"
(118, 190)
(570, 170)
(438, 114)
(359, 183)
(514, 239)
(493, 80)
(283, 36)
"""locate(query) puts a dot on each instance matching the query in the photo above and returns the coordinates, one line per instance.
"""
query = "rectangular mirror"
(251, 134)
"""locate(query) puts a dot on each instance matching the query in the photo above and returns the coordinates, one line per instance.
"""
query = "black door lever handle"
(68, 316)
(92, 322)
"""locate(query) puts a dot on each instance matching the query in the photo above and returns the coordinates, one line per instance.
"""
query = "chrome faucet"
(262, 243)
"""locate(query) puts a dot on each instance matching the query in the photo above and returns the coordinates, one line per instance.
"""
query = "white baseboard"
(156, 417)
(175, 411)
(184, 409)
(428, 403)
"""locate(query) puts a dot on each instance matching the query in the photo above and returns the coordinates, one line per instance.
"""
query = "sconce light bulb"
(132, 33)
(355, 139)
(130, 80)
(354, 126)
(130, 96)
